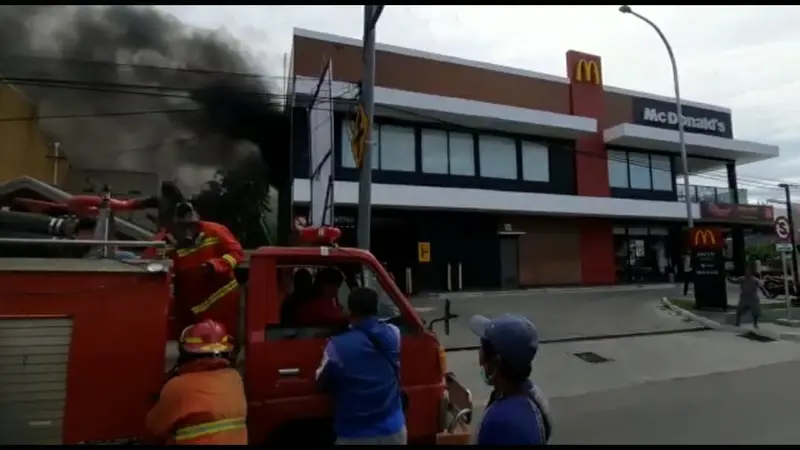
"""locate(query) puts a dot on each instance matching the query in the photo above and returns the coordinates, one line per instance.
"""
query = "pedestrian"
(688, 273)
(749, 301)
(516, 414)
(204, 402)
(361, 370)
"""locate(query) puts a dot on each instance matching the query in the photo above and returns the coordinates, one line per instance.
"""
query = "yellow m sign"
(587, 72)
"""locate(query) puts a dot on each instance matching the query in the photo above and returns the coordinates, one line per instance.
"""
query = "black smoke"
(199, 105)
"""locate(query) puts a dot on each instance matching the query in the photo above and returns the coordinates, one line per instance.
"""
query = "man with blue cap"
(516, 413)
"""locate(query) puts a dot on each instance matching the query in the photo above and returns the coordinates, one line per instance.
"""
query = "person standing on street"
(516, 414)
(361, 370)
(688, 273)
(749, 301)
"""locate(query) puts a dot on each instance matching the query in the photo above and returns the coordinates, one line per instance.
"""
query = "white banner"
(320, 122)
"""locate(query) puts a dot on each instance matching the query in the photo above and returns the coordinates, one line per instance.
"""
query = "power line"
(60, 61)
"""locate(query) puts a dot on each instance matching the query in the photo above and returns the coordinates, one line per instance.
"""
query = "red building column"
(587, 99)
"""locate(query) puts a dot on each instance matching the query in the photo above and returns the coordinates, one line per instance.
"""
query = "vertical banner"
(320, 121)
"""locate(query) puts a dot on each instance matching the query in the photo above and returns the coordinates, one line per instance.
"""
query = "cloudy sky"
(744, 58)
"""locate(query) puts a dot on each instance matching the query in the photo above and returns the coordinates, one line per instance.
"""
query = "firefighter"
(204, 403)
(204, 256)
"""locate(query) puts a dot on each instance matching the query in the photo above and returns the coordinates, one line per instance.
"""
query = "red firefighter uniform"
(205, 285)
(204, 403)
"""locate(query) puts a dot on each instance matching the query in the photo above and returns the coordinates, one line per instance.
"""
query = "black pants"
(687, 280)
(743, 309)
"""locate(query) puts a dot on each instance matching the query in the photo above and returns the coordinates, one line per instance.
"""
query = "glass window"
(462, 154)
(347, 152)
(397, 148)
(662, 172)
(535, 162)
(639, 166)
(617, 169)
(434, 151)
(498, 157)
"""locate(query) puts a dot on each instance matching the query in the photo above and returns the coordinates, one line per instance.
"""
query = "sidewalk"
(721, 321)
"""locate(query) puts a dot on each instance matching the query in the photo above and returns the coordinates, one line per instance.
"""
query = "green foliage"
(240, 200)
(765, 253)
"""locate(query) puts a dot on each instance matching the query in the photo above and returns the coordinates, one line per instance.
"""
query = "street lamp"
(625, 9)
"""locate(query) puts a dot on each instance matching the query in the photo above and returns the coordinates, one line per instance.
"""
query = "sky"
(741, 57)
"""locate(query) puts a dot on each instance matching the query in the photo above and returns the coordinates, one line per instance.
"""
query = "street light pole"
(789, 216)
(625, 9)
(371, 15)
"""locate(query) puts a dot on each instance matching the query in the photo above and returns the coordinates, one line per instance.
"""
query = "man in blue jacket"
(360, 369)
(516, 413)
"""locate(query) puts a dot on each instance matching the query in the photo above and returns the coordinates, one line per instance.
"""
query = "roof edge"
(405, 51)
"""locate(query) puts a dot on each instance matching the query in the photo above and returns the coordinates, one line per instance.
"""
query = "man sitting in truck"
(322, 308)
(204, 403)
(360, 368)
(204, 256)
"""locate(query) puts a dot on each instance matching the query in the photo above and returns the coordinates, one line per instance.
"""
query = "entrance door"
(509, 262)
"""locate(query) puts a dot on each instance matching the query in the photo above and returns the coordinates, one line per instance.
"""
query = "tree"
(240, 200)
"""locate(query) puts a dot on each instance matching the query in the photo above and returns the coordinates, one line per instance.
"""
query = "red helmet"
(206, 337)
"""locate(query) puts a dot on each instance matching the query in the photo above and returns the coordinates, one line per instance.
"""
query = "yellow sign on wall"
(424, 252)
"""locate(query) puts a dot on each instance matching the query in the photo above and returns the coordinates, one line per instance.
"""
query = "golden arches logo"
(704, 238)
(587, 72)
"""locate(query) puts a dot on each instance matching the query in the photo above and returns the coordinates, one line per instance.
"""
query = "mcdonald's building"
(512, 178)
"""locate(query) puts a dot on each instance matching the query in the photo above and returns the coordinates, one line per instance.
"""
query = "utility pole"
(371, 15)
(788, 193)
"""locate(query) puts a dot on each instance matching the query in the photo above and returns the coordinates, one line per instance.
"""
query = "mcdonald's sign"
(587, 72)
(706, 238)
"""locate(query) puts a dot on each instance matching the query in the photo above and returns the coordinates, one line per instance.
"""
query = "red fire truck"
(85, 345)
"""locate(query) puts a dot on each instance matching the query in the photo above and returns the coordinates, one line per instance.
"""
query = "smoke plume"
(198, 106)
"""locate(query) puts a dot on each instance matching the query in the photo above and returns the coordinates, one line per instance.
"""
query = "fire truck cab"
(84, 348)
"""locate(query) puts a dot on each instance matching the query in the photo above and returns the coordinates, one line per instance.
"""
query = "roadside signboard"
(708, 267)
(783, 247)
(782, 230)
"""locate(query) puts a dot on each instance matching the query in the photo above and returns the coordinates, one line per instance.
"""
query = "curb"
(457, 295)
(714, 325)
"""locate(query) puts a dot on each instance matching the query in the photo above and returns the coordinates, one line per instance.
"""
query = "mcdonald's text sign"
(587, 71)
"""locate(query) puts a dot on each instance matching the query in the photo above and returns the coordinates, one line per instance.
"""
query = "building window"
(347, 152)
(434, 151)
(498, 157)
(661, 169)
(629, 170)
(535, 162)
(462, 154)
(447, 153)
(639, 170)
(617, 169)
(396, 148)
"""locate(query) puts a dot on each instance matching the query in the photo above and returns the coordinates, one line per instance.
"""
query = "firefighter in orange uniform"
(204, 402)
(204, 256)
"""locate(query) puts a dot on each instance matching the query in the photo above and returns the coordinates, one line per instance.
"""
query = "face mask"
(486, 377)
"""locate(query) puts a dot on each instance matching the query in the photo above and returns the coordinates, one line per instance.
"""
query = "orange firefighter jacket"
(201, 294)
(204, 404)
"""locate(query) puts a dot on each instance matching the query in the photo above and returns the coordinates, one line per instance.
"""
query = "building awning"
(418, 107)
(650, 138)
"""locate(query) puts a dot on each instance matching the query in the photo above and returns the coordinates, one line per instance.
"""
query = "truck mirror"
(448, 314)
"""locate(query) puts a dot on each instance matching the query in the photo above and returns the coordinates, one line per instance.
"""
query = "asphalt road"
(757, 407)
(561, 315)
